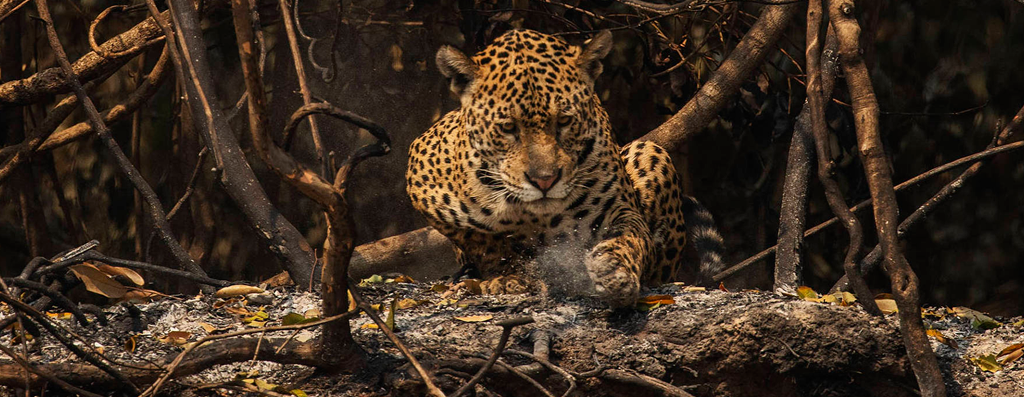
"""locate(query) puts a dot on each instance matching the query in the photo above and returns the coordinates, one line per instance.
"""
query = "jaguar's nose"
(544, 180)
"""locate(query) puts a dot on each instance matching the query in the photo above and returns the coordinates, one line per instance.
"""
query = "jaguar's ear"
(457, 67)
(594, 50)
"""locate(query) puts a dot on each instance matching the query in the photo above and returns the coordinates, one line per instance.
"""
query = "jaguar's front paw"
(510, 284)
(614, 281)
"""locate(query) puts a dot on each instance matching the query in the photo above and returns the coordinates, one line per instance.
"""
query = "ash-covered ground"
(712, 343)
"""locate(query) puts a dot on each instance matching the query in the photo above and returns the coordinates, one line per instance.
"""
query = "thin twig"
(523, 376)
(873, 258)
(55, 296)
(155, 209)
(152, 389)
(864, 204)
(46, 375)
(191, 184)
(569, 378)
(365, 307)
(506, 331)
(61, 336)
(632, 378)
(307, 96)
(103, 52)
(96, 256)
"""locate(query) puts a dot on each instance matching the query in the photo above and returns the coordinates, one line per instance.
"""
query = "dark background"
(947, 75)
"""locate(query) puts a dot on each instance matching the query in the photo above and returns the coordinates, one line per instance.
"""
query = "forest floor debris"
(709, 342)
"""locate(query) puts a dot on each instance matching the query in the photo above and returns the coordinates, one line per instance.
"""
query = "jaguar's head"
(529, 108)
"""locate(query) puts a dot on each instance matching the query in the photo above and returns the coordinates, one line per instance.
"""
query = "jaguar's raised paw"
(614, 282)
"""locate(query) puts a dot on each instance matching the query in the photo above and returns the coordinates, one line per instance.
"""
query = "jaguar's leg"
(617, 261)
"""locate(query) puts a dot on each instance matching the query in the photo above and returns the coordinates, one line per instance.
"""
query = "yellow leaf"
(987, 363)
(312, 313)
(475, 319)
(806, 293)
(934, 333)
(439, 288)
(121, 271)
(292, 318)
(694, 289)
(390, 321)
(98, 282)
(848, 299)
(409, 303)
(129, 344)
(368, 325)
(260, 316)
(264, 385)
(59, 316)
(374, 279)
(237, 290)
(887, 306)
(297, 393)
(829, 299)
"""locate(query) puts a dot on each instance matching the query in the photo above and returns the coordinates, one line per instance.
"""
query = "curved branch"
(104, 52)
(725, 82)
(88, 67)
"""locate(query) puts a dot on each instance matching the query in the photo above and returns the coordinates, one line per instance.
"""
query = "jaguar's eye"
(508, 127)
(564, 121)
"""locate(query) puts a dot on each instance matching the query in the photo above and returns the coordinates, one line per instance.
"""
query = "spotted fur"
(529, 161)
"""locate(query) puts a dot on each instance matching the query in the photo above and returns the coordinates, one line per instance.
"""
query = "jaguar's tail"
(703, 234)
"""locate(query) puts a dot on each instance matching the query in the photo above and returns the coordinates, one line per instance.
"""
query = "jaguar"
(529, 161)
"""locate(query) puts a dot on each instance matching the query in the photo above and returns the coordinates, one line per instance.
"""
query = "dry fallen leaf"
(934, 333)
(1010, 353)
(979, 320)
(987, 363)
(98, 282)
(238, 310)
(177, 338)
(694, 289)
(121, 271)
(139, 295)
(887, 306)
(475, 319)
(237, 290)
(472, 286)
(129, 344)
(409, 303)
(807, 293)
(209, 328)
(403, 279)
